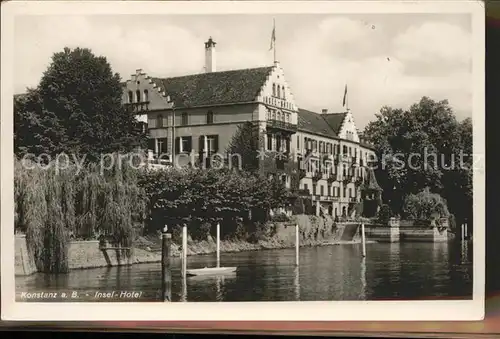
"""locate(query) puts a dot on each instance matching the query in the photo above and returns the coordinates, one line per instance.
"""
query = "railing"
(138, 106)
(317, 176)
(277, 124)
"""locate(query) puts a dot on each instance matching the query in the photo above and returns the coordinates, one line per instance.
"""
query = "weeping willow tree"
(54, 206)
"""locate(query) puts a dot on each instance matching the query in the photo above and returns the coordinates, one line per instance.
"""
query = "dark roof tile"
(335, 120)
(205, 89)
(323, 124)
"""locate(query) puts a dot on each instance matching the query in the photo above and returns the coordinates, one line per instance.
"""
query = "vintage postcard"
(241, 160)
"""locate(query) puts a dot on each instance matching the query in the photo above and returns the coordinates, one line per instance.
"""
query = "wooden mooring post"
(166, 281)
(363, 239)
(297, 245)
(218, 245)
(184, 251)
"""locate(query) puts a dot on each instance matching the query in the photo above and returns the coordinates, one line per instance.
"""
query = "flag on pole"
(345, 96)
(273, 36)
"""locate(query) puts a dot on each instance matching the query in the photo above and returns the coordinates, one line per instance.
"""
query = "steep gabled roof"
(371, 182)
(322, 124)
(215, 88)
(335, 120)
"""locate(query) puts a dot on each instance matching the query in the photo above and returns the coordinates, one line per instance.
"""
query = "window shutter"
(200, 143)
(189, 145)
(216, 143)
(177, 145)
(151, 144)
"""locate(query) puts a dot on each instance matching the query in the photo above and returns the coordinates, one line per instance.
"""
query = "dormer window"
(130, 97)
(138, 96)
(146, 95)
(210, 117)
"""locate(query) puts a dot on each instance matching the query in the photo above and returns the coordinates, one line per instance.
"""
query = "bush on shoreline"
(200, 199)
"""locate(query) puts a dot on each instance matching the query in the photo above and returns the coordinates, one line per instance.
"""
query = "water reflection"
(296, 283)
(363, 279)
(401, 271)
(184, 288)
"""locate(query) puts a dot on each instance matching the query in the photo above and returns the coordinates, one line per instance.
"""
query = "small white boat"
(210, 271)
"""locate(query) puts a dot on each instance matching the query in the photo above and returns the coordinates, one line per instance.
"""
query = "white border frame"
(255, 311)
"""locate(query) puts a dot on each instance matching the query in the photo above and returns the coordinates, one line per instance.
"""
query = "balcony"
(138, 106)
(317, 176)
(281, 125)
(332, 178)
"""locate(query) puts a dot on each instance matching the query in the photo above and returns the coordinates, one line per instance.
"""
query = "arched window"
(130, 97)
(283, 92)
(210, 117)
(146, 95)
(159, 121)
(274, 89)
(138, 96)
(278, 115)
(279, 91)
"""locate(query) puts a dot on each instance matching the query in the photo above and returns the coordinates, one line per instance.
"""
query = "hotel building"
(201, 113)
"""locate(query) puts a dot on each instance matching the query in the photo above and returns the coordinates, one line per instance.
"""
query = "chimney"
(324, 110)
(210, 56)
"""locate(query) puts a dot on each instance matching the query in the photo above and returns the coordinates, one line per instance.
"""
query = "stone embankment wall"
(406, 231)
(87, 254)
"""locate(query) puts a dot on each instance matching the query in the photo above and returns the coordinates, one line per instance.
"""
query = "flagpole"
(274, 39)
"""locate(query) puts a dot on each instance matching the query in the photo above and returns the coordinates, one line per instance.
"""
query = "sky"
(384, 59)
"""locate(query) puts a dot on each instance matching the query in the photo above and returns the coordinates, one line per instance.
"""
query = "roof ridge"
(217, 72)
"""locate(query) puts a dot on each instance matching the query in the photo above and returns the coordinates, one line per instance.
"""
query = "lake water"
(389, 271)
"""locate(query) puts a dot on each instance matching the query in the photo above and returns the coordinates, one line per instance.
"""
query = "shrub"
(425, 206)
(280, 217)
(384, 214)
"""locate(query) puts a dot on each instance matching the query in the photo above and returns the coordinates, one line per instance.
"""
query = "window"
(315, 145)
(274, 90)
(298, 142)
(152, 123)
(183, 145)
(306, 187)
(184, 119)
(321, 146)
(278, 115)
(344, 150)
(269, 142)
(212, 143)
(210, 117)
(130, 97)
(159, 121)
(162, 145)
(283, 92)
(306, 145)
(321, 190)
(146, 95)
(138, 96)
(279, 91)
(278, 143)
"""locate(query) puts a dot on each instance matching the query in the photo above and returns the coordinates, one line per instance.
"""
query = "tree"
(77, 109)
(245, 143)
(420, 147)
(425, 206)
